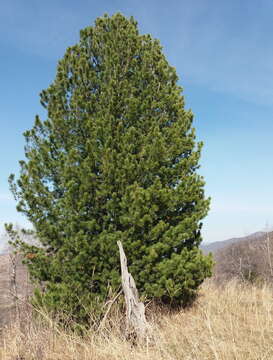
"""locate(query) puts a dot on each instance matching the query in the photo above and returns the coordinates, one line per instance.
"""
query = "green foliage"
(116, 159)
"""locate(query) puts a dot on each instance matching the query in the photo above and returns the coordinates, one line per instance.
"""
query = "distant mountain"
(217, 245)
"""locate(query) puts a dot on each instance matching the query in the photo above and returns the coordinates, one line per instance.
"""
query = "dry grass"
(235, 322)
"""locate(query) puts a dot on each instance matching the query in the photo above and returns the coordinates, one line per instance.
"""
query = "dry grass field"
(232, 322)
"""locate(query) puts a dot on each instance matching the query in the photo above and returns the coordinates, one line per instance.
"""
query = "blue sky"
(223, 53)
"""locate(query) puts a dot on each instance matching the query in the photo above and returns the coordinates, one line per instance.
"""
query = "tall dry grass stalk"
(233, 322)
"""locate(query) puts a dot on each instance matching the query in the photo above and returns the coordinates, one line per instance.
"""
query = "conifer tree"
(116, 159)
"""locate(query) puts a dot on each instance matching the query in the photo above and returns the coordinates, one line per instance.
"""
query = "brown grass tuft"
(232, 322)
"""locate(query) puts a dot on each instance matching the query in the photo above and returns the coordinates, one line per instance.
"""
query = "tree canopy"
(116, 159)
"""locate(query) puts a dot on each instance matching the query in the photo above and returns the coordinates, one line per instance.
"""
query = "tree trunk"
(136, 322)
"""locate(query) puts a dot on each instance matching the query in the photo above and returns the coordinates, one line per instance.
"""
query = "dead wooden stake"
(135, 309)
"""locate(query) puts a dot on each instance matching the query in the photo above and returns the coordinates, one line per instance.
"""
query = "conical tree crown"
(116, 159)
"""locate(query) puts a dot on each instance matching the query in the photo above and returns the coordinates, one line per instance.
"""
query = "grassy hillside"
(248, 260)
(234, 322)
(231, 319)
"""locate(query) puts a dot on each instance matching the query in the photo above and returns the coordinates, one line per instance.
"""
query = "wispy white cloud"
(228, 51)
(6, 197)
(43, 29)
(242, 208)
(224, 46)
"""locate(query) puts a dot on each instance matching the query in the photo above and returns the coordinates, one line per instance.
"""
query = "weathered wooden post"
(135, 310)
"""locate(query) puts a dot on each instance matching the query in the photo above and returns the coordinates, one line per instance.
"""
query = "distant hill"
(217, 245)
(247, 259)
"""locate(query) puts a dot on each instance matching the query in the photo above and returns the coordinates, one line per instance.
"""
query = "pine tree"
(116, 159)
